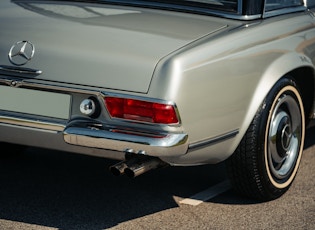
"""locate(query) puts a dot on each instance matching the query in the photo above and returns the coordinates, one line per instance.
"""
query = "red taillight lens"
(141, 110)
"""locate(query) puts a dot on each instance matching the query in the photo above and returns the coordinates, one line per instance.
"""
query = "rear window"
(279, 4)
(222, 5)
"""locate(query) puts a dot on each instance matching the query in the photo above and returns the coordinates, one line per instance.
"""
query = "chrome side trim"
(31, 123)
(205, 143)
(112, 138)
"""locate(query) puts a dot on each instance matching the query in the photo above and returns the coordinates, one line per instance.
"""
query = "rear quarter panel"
(219, 82)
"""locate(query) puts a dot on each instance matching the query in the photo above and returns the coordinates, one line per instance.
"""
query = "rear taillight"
(139, 110)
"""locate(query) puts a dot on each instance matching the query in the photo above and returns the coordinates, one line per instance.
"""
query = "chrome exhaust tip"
(118, 169)
(143, 166)
(136, 165)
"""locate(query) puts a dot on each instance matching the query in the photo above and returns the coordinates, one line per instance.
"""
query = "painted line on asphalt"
(207, 194)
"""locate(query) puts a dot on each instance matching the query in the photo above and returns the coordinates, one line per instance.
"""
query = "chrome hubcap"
(285, 133)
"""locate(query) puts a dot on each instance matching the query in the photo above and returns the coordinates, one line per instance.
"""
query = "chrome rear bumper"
(120, 139)
(84, 133)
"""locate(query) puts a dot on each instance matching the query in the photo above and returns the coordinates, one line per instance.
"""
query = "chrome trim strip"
(46, 85)
(31, 123)
(19, 71)
(212, 141)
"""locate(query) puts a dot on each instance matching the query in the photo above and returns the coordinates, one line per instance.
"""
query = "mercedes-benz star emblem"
(21, 52)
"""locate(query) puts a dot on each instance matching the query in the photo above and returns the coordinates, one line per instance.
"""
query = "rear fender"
(276, 70)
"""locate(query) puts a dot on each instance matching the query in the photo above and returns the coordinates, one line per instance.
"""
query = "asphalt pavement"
(44, 189)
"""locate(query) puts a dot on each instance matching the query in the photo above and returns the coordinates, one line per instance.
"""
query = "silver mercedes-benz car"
(154, 83)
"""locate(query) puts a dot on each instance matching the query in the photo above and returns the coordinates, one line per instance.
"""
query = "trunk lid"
(98, 45)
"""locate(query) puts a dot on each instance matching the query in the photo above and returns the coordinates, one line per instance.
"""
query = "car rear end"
(77, 76)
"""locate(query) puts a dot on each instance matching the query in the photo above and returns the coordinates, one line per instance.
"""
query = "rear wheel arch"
(266, 161)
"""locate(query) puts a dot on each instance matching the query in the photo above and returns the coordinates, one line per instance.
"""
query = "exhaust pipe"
(136, 166)
(119, 168)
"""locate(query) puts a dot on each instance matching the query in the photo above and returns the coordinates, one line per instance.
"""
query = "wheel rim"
(285, 138)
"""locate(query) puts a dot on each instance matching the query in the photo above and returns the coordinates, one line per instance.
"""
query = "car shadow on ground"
(68, 191)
